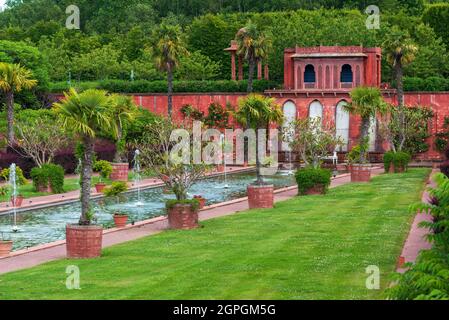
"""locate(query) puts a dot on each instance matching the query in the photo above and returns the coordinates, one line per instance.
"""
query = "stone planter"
(220, 168)
(182, 217)
(393, 169)
(201, 200)
(260, 197)
(18, 202)
(83, 241)
(316, 190)
(44, 189)
(360, 172)
(120, 220)
(119, 171)
(5, 248)
(99, 187)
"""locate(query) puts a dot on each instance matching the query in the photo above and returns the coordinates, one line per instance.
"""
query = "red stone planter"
(44, 189)
(5, 248)
(260, 197)
(120, 220)
(393, 169)
(182, 217)
(99, 187)
(360, 172)
(83, 241)
(119, 171)
(18, 202)
(201, 200)
(220, 168)
(316, 190)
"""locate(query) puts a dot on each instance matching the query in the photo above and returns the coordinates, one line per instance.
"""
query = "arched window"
(346, 74)
(316, 110)
(289, 116)
(342, 125)
(309, 74)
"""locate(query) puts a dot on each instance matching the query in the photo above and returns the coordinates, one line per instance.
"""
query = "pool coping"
(148, 221)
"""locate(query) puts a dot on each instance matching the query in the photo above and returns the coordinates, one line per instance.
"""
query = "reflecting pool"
(48, 224)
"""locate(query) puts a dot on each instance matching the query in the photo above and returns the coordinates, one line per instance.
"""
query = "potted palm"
(178, 174)
(104, 168)
(115, 191)
(124, 111)
(5, 246)
(366, 102)
(313, 141)
(86, 115)
(257, 112)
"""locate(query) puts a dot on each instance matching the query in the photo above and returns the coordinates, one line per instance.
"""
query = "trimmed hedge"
(194, 203)
(160, 86)
(49, 175)
(398, 159)
(428, 84)
(310, 177)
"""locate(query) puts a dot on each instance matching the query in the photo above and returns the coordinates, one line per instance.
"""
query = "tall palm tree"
(123, 112)
(257, 112)
(366, 102)
(87, 115)
(168, 47)
(14, 78)
(254, 45)
(400, 50)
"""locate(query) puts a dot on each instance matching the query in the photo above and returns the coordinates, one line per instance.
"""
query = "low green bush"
(398, 159)
(310, 177)
(104, 168)
(49, 175)
(192, 202)
(115, 189)
(20, 178)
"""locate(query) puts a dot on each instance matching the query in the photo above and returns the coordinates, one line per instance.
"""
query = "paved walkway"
(416, 240)
(55, 199)
(28, 258)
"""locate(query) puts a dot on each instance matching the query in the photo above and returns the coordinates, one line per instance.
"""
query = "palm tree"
(14, 78)
(257, 112)
(87, 115)
(400, 50)
(366, 102)
(254, 46)
(123, 112)
(168, 48)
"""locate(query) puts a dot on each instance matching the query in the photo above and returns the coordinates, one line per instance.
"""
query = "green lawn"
(315, 247)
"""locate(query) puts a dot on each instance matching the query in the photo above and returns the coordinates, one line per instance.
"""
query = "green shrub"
(104, 168)
(49, 175)
(192, 202)
(20, 178)
(398, 159)
(310, 177)
(115, 189)
(160, 86)
(427, 84)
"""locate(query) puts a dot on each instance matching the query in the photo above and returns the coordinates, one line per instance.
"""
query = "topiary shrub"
(309, 178)
(49, 175)
(104, 168)
(194, 203)
(115, 189)
(398, 159)
(20, 178)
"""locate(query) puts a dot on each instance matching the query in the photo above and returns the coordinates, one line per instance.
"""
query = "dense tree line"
(116, 37)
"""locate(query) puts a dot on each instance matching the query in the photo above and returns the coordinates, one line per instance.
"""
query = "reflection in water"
(48, 224)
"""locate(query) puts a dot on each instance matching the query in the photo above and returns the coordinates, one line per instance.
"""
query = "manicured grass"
(315, 247)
